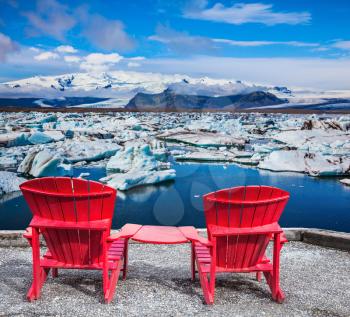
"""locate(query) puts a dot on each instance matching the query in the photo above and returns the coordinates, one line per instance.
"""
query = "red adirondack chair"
(240, 223)
(74, 216)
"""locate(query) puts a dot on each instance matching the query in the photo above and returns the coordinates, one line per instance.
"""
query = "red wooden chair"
(240, 223)
(74, 216)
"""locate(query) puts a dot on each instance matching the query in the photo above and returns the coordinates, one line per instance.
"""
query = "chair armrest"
(127, 231)
(192, 235)
(225, 231)
(28, 234)
(283, 238)
(99, 225)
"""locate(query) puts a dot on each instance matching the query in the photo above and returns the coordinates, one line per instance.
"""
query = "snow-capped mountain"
(117, 88)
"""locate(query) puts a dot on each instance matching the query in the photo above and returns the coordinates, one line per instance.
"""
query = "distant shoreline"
(104, 110)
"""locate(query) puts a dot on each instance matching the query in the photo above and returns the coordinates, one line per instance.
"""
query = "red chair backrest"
(73, 200)
(239, 207)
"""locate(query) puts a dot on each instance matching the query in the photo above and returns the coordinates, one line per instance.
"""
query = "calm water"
(317, 203)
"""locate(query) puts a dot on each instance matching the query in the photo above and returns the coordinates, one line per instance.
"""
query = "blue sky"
(292, 42)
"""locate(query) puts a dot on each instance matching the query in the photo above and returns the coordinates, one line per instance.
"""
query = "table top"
(159, 234)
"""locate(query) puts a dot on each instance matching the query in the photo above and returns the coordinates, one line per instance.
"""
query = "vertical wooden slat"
(236, 194)
(245, 242)
(64, 186)
(80, 186)
(54, 210)
(95, 207)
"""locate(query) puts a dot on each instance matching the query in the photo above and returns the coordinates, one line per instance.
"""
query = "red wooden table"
(158, 234)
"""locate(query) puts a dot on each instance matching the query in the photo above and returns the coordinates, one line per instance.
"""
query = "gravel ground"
(316, 282)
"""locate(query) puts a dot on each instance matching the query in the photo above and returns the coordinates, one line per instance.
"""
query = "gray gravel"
(316, 282)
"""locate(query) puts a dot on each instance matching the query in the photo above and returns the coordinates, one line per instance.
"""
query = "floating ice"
(77, 150)
(345, 181)
(44, 163)
(203, 139)
(311, 163)
(206, 156)
(137, 178)
(39, 138)
(14, 139)
(9, 182)
(136, 157)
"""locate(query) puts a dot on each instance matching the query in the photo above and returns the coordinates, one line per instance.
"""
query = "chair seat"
(115, 254)
(203, 257)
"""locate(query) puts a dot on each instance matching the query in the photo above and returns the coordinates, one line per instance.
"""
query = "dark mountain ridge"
(170, 100)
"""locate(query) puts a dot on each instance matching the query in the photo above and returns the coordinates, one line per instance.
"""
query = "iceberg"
(206, 156)
(77, 150)
(203, 139)
(9, 182)
(40, 138)
(137, 178)
(44, 163)
(7, 162)
(14, 139)
(345, 181)
(134, 157)
(313, 164)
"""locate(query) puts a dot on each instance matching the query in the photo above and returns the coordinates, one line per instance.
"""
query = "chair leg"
(125, 262)
(208, 285)
(37, 284)
(39, 274)
(258, 276)
(273, 277)
(112, 284)
(193, 263)
(54, 272)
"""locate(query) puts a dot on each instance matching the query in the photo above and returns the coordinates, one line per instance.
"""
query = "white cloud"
(98, 62)
(72, 59)
(184, 43)
(241, 13)
(134, 64)
(50, 17)
(34, 49)
(344, 45)
(7, 46)
(265, 43)
(46, 55)
(320, 73)
(137, 58)
(54, 19)
(106, 34)
(66, 49)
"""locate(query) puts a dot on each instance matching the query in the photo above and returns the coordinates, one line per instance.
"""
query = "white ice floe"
(7, 162)
(313, 164)
(137, 157)
(203, 139)
(14, 139)
(81, 149)
(345, 181)
(9, 182)
(137, 178)
(44, 163)
(137, 164)
(39, 138)
(206, 156)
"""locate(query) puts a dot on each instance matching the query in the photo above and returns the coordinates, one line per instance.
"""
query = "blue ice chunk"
(40, 138)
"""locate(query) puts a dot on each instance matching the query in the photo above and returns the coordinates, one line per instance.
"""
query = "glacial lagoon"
(314, 203)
